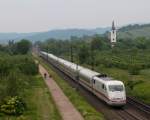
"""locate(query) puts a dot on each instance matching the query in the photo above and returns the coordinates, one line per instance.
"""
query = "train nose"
(117, 99)
(117, 96)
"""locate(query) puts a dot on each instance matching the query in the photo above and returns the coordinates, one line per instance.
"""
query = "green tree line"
(96, 50)
(17, 71)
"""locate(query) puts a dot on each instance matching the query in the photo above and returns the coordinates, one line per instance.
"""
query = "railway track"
(126, 115)
(130, 112)
(139, 105)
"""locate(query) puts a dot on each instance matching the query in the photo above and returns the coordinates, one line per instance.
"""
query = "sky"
(43, 15)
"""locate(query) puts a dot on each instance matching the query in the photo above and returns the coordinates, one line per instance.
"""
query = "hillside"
(134, 31)
(57, 34)
(129, 31)
(5, 37)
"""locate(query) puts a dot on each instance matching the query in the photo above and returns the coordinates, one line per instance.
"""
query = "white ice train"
(105, 88)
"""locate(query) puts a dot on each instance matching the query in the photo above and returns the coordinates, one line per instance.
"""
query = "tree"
(131, 83)
(99, 43)
(83, 54)
(23, 46)
(96, 43)
(141, 43)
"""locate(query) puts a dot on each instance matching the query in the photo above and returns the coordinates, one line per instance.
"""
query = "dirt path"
(67, 110)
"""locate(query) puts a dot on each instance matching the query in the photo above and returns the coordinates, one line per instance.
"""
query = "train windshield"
(115, 88)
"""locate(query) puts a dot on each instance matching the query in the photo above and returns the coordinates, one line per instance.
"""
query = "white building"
(113, 36)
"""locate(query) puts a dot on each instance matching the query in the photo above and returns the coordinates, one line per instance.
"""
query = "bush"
(28, 67)
(5, 66)
(13, 106)
(134, 69)
(131, 83)
(22, 47)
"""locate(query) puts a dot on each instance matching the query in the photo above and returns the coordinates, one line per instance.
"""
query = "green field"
(19, 78)
(86, 110)
(40, 105)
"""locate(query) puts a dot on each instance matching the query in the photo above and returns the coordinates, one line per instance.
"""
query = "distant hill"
(57, 34)
(5, 37)
(129, 31)
(134, 31)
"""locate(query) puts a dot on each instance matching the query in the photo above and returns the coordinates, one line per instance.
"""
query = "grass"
(40, 105)
(86, 110)
(140, 91)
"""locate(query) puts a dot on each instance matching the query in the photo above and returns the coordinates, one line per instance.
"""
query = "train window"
(94, 81)
(101, 75)
(103, 87)
(115, 88)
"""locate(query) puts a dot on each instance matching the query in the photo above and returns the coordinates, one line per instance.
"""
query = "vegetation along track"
(129, 112)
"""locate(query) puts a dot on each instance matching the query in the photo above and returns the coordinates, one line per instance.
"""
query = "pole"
(92, 58)
(77, 74)
(47, 54)
(71, 52)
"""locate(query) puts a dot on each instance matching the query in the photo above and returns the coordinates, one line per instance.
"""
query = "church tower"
(113, 36)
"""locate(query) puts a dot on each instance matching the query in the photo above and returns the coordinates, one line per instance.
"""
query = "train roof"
(114, 82)
(108, 80)
(85, 71)
(89, 73)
